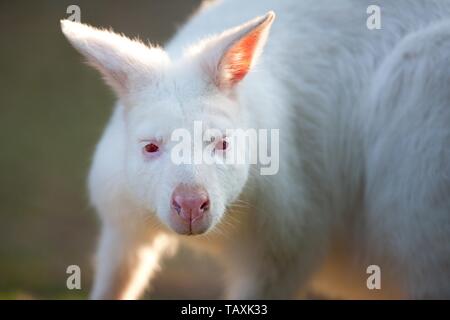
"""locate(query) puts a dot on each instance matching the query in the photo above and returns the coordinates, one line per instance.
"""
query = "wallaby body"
(364, 175)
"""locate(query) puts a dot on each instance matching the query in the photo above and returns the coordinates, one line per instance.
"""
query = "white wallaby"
(364, 148)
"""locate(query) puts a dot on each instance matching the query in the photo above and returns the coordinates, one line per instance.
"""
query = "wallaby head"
(163, 99)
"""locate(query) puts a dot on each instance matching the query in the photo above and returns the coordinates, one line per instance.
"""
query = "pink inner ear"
(238, 59)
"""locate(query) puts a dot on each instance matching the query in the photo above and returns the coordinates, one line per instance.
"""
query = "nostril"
(176, 206)
(205, 206)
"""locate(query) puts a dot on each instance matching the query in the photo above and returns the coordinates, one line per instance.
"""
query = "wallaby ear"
(231, 55)
(120, 60)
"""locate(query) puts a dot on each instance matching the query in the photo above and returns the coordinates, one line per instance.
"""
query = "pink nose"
(190, 204)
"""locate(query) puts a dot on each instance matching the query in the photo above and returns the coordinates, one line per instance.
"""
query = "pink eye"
(222, 144)
(151, 148)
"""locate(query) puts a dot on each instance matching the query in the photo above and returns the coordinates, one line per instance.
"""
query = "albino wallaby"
(364, 148)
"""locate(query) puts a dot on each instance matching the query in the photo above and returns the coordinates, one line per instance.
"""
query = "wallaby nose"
(190, 203)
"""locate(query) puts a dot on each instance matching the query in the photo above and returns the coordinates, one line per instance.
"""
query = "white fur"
(364, 157)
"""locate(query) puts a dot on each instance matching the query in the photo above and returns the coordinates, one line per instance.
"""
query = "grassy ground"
(52, 111)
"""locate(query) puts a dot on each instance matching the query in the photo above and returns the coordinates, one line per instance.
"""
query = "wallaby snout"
(190, 209)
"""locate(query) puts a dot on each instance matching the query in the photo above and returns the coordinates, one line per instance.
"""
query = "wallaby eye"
(151, 147)
(222, 144)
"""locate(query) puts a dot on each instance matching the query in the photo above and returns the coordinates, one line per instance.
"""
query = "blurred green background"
(52, 111)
